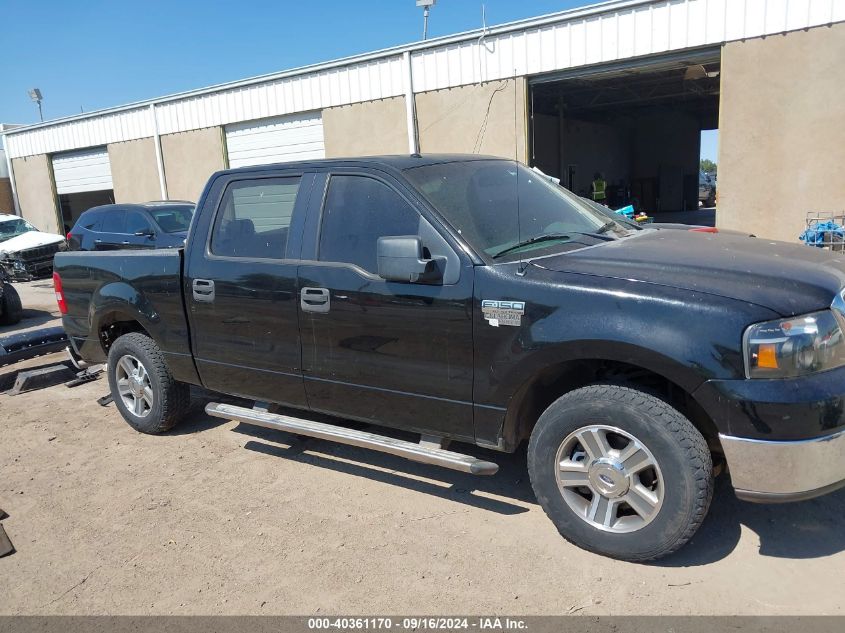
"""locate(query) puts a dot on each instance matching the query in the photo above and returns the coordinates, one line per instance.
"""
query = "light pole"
(35, 95)
(426, 5)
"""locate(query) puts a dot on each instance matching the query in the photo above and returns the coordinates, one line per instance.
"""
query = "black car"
(131, 226)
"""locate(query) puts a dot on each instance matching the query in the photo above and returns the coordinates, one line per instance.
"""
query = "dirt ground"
(39, 305)
(222, 518)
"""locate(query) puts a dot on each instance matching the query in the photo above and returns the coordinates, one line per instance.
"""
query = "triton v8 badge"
(502, 312)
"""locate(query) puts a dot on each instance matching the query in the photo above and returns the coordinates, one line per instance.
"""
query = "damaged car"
(25, 252)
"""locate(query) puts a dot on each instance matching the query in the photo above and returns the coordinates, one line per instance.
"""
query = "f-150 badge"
(502, 312)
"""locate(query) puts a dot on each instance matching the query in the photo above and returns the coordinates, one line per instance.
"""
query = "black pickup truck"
(468, 299)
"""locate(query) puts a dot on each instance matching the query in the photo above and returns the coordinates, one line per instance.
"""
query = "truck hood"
(30, 239)
(789, 279)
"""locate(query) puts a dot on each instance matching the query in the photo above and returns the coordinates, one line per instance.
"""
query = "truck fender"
(119, 301)
(554, 362)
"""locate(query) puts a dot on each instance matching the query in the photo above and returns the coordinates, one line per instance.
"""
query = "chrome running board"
(424, 454)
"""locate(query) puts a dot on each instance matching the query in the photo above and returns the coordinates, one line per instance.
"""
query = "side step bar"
(381, 443)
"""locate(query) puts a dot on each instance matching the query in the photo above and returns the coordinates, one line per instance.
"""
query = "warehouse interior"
(73, 205)
(638, 126)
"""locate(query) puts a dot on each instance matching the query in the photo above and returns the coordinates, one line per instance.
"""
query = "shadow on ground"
(31, 318)
(809, 529)
(495, 494)
(197, 419)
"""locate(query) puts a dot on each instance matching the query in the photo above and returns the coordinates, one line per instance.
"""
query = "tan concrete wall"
(781, 131)
(189, 159)
(7, 204)
(484, 118)
(366, 129)
(134, 171)
(34, 183)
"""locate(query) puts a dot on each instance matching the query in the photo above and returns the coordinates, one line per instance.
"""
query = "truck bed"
(128, 289)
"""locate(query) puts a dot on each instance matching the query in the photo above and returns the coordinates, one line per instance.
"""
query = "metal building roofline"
(517, 25)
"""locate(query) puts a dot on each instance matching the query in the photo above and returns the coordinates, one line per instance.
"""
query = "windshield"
(480, 199)
(13, 228)
(173, 219)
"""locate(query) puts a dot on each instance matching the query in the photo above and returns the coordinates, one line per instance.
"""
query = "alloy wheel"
(134, 386)
(609, 478)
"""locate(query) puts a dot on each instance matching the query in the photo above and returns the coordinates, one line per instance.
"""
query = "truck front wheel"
(620, 472)
(143, 389)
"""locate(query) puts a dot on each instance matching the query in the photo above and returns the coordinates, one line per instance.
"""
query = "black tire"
(171, 399)
(11, 310)
(678, 448)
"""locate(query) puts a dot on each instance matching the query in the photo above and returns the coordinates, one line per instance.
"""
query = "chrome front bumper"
(772, 472)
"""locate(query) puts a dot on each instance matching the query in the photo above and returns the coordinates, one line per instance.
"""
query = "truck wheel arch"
(116, 309)
(547, 384)
(114, 324)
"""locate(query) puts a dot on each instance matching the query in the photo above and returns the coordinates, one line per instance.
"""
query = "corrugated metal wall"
(615, 31)
(632, 31)
(127, 125)
(340, 86)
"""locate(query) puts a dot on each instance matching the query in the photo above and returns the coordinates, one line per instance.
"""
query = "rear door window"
(113, 222)
(254, 218)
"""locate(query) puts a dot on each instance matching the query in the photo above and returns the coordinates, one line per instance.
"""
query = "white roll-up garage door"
(277, 140)
(88, 170)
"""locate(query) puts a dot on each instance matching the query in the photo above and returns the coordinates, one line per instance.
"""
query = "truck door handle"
(203, 290)
(315, 300)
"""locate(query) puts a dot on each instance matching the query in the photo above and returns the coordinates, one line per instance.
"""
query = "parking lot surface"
(217, 517)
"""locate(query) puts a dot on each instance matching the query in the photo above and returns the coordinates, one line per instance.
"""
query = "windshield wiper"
(605, 227)
(545, 237)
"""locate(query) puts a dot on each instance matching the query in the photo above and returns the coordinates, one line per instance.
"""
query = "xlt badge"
(502, 312)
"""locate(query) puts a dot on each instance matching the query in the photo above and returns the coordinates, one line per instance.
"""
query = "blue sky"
(93, 54)
(710, 144)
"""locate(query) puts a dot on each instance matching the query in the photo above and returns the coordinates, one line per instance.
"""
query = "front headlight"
(794, 347)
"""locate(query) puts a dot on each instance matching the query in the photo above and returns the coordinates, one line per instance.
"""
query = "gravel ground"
(221, 518)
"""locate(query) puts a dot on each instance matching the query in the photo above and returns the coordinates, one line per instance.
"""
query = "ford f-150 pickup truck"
(469, 300)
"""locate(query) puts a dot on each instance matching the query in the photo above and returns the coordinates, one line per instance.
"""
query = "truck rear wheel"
(144, 391)
(620, 472)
